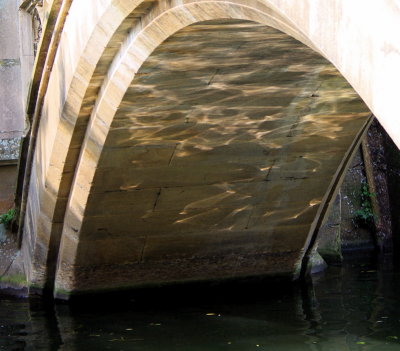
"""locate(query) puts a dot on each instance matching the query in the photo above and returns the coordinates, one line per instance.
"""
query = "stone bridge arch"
(92, 73)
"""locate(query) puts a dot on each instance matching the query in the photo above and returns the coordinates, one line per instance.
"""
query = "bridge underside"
(216, 162)
(215, 165)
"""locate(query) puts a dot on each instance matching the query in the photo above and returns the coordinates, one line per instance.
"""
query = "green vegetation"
(7, 218)
(15, 279)
(365, 215)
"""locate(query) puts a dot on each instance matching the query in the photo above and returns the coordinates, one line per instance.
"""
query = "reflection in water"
(350, 308)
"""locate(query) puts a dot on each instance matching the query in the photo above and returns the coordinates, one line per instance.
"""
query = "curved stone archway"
(86, 51)
(99, 53)
(209, 166)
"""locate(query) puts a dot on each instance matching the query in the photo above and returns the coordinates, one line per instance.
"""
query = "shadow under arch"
(111, 102)
(83, 56)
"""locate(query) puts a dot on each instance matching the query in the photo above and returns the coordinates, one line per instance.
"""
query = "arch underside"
(173, 149)
(214, 165)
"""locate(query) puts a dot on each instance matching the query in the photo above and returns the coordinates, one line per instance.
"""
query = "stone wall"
(343, 230)
(11, 111)
(353, 225)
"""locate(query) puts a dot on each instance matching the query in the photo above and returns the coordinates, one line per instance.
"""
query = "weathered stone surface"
(354, 233)
(9, 37)
(376, 170)
(329, 238)
(196, 114)
(344, 229)
(7, 185)
(11, 113)
(9, 150)
(204, 162)
(194, 269)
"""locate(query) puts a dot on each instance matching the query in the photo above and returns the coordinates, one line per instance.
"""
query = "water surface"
(354, 307)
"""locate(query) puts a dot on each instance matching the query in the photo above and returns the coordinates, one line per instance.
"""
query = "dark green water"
(354, 307)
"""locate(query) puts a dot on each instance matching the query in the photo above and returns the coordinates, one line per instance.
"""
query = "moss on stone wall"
(17, 280)
(342, 230)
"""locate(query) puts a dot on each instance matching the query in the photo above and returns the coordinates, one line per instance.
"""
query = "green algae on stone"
(14, 279)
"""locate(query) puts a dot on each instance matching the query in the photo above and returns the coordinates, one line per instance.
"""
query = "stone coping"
(9, 150)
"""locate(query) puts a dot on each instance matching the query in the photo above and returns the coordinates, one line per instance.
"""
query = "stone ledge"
(9, 150)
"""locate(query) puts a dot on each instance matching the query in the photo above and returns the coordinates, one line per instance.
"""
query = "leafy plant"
(7, 217)
(365, 214)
